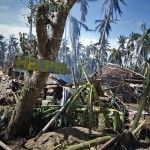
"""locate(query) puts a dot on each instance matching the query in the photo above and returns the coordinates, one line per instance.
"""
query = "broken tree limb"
(103, 147)
(4, 146)
(126, 85)
(90, 143)
(104, 98)
(139, 127)
(52, 120)
(16, 98)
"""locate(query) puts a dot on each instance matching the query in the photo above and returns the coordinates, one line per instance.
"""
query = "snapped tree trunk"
(48, 49)
(143, 101)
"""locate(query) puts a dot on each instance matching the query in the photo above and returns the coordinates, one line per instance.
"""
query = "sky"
(13, 20)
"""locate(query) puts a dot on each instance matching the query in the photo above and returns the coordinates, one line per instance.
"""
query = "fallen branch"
(16, 98)
(4, 146)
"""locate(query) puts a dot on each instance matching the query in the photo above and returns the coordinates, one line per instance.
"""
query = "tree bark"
(48, 49)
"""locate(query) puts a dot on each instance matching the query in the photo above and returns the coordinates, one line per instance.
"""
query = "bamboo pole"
(4, 146)
(90, 143)
(52, 120)
(139, 127)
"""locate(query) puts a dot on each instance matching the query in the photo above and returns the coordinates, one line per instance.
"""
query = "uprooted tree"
(48, 47)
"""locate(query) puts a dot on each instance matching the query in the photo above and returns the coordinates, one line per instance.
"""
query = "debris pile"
(103, 103)
(8, 89)
(122, 82)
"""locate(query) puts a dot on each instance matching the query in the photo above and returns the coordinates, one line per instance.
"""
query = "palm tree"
(74, 35)
(13, 50)
(122, 41)
(104, 25)
(89, 58)
(115, 57)
(143, 46)
(102, 41)
(130, 48)
(75, 26)
(3, 50)
(84, 9)
(113, 7)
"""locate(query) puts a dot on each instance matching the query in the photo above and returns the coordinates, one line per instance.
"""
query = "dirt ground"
(67, 136)
(47, 141)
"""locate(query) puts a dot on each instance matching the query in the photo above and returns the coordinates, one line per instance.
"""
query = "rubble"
(106, 103)
(9, 86)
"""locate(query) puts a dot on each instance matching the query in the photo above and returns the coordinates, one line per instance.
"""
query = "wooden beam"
(104, 146)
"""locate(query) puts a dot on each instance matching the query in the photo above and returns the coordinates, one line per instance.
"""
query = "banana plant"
(91, 95)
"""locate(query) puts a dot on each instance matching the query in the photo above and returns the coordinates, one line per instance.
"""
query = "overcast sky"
(13, 15)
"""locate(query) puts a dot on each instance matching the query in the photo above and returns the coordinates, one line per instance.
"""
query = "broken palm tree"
(144, 99)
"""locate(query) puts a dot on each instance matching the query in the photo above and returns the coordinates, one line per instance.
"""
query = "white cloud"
(113, 43)
(23, 13)
(88, 41)
(15, 24)
(7, 30)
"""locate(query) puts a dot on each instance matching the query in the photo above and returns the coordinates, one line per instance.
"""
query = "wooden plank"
(108, 143)
(41, 65)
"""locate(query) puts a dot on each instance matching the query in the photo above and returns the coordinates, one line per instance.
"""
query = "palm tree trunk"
(48, 49)
(103, 36)
(143, 100)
